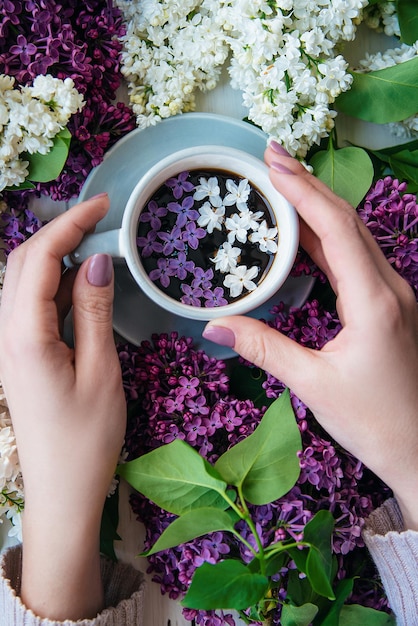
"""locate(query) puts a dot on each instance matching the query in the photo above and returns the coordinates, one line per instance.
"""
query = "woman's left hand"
(67, 406)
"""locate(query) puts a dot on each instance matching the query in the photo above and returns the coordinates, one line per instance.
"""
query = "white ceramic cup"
(121, 243)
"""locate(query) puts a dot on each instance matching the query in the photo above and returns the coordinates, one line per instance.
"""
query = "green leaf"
(190, 525)
(355, 614)
(298, 615)
(225, 585)
(109, 526)
(317, 534)
(176, 478)
(408, 20)
(404, 165)
(265, 464)
(383, 96)
(46, 167)
(275, 563)
(348, 172)
(330, 614)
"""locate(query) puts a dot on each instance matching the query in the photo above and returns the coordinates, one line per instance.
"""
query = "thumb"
(268, 349)
(92, 313)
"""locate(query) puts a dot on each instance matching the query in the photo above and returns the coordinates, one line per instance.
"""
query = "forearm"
(61, 564)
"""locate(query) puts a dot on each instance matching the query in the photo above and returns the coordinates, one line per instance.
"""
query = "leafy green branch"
(209, 498)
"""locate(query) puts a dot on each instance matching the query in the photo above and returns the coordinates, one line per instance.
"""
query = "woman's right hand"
(362, 386)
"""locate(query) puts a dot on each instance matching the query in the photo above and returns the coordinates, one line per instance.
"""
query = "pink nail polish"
(220, 335)
(98, 195)
(281, 169)
(276, 147)
(100, 270)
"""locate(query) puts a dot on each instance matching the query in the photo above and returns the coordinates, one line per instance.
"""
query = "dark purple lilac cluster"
(73, 39)
(175, 391)
(391, 215)
(17, 223)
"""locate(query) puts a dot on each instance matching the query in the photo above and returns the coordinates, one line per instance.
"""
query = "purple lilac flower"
(24, 49)
(192, 233)
(162, 272)
(214, 547)
(185, 212)
(215, 297)
(304, 266)
(391, 215)
(16, 224)
(180, 185)
(180, 266)
(202, 278)
(191, 295)
(149, 244)
(153, 215)
(198, 405)
(194, 430)
(78, 41)
(172, 241)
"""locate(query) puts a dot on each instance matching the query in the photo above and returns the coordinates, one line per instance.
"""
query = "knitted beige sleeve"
(124, 590)
(395, 553)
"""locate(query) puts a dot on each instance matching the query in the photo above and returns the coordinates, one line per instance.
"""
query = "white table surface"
(159, 609)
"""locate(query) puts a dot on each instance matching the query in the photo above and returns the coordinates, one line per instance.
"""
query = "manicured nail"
(100, 270)
(98, 195)
(282, 169)
(276, 147)
(220, 335)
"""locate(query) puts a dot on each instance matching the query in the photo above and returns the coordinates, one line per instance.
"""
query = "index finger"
(39, 259)
(356, 264)
(34, 268)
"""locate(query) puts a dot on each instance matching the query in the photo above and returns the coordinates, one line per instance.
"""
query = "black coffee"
(207, 237)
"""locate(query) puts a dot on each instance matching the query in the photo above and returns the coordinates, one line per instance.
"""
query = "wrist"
(409, 510)
(61, 565)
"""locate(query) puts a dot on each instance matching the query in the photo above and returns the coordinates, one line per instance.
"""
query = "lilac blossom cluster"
(176, 391)
(17, 223)
(185, 223)
(391, 215)
(77, 40)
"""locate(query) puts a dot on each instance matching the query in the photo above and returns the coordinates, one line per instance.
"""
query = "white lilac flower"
(237, 228)
(240, 278)
(171, 49)
(335, 78)
(238, 194)
(16, 521)
(30, 118)
(382, 16)
(265, 237)
(226, 257)
(208, 188)
(211, 217)
(11, 482)
(252, 218)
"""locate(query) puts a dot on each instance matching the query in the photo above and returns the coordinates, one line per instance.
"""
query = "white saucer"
(136, 317)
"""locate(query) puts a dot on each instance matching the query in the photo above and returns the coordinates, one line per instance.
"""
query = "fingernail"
(220, 335)
(100, 270)
(282, 169)
(276, 147)
(98, 195)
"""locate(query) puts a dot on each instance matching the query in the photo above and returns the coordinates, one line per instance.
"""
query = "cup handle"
(108, 242)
